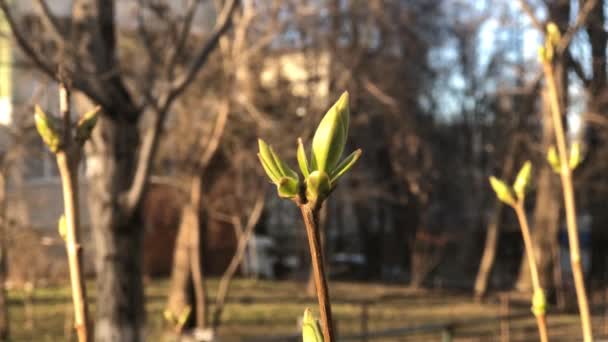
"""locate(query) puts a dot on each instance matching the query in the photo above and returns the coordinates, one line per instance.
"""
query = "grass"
(262, 308)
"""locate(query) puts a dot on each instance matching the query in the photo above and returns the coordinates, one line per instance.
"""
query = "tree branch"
(530, 12)
(581, 19)
(214, 141)
(222, 25)
(23, 42)
(182, 37)
(51, 21)
(130, 199)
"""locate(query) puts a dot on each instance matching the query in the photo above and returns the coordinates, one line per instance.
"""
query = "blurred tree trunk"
(593, 169)
(4, 319)
(187, 286)
(118, 234)
(187, 275)
(493, 231)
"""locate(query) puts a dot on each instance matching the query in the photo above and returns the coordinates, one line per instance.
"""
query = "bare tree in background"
(86, 47)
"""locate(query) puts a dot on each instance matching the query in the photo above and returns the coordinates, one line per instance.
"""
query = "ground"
(258, 309)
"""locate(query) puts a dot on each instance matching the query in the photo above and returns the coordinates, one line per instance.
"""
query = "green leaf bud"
(330, 137)
(522, 180)
(539, 303)
(553, 159)
(317, 186)
(49, 129)
(311, 330)
(503, 192)
(62, 227)
(85, 125)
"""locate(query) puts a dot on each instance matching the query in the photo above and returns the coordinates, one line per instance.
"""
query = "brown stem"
(525, 232)
(311, 221)
(569, 204)
(67, 161)
(541, 321)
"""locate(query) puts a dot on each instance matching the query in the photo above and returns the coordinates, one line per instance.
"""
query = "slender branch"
(525, 232)
(578, 69)
(530, 12)
(146, 37)
(23, 42)
(51, 21)
(182, 37)
(67, 161)
(581, 19)
(216, 136)
(131, 198)
(311, 221)
(223, 287)
(569, 203)
(221, 27)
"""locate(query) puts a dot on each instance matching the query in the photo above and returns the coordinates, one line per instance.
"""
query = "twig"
(569, 203)
(525, 232)
(67, 160)
(530, 12)
(310, 214)
(224, 285)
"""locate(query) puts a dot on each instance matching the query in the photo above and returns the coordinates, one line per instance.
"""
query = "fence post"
(606, 311)
(505, 311)
(364, 320)
(446, 334)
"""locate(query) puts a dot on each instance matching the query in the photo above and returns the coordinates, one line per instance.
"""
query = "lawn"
(263, 308)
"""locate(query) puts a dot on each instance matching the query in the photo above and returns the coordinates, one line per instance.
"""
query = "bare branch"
(145, 37)
(222, 25)
(578, 69)
(530, 12)
(581, 19)
(132, 197)
(224, 285)
(182, 37)
(51, 21)
(218, 130)
(24, 44)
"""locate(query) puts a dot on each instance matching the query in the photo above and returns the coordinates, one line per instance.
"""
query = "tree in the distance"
(86, 47)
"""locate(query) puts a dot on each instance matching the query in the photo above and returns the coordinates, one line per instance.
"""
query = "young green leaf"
(268, 162)
(302, 161)
(274, 177)
(503, 192)
(522, 180)
(345, 165)
(311, 331)
(330, 137)
(284, 170)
